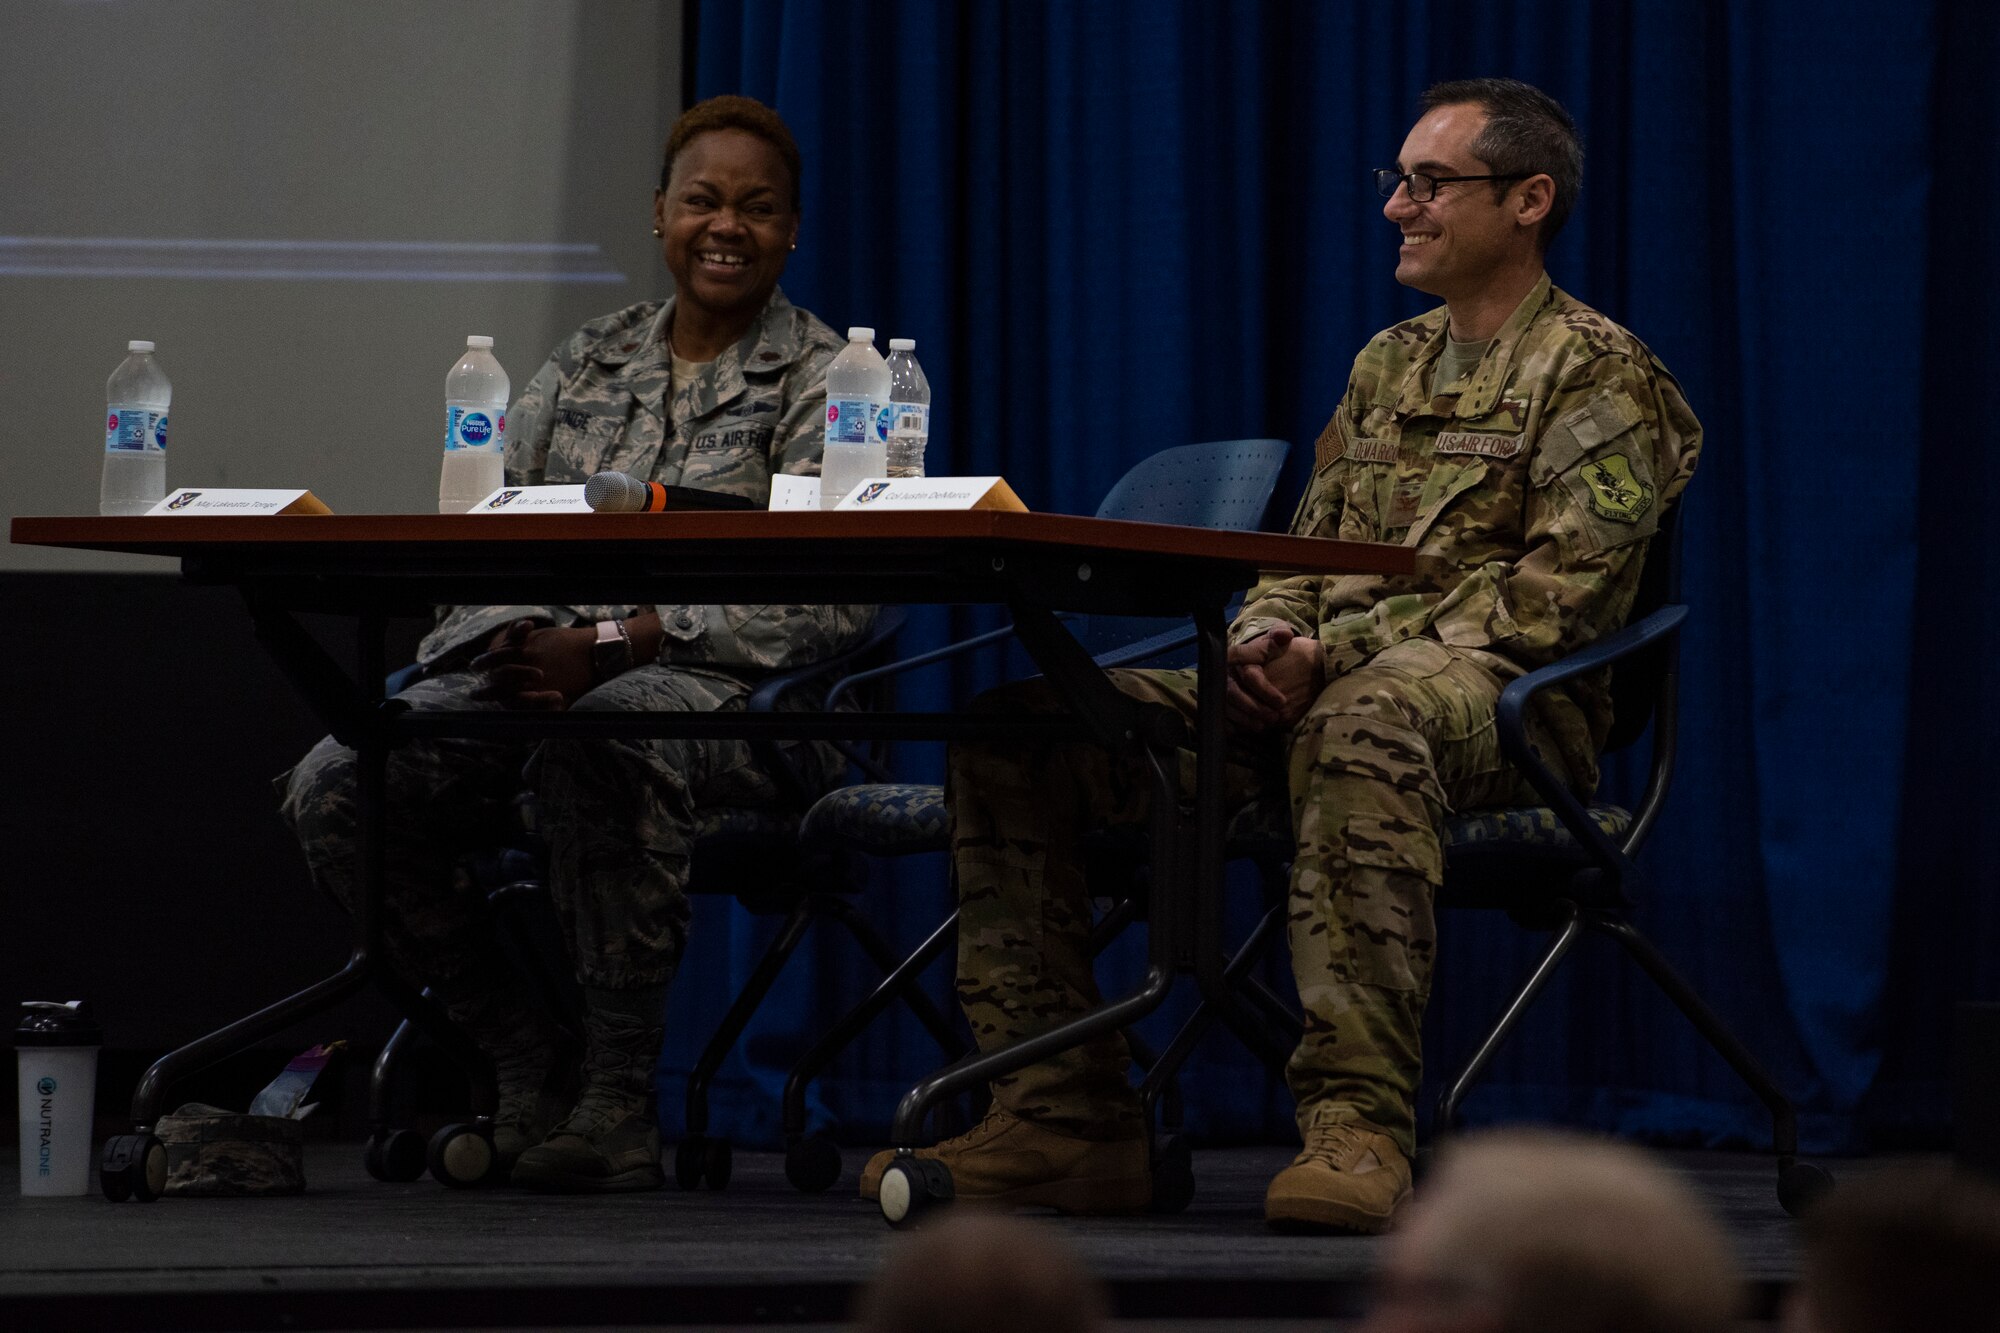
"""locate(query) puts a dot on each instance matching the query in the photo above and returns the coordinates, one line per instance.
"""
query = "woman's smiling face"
(727, 222)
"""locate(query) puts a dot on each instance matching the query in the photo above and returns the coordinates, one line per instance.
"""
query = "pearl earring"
(656, 231)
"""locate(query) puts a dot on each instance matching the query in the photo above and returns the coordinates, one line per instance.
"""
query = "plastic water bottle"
(909, 409)
(135, 434)
(475, 428)
(857, 418)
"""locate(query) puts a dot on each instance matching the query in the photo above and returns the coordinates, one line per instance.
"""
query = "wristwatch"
(611, 655)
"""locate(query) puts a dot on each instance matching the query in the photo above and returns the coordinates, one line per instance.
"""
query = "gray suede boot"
(534, 1065)
(609, 1142)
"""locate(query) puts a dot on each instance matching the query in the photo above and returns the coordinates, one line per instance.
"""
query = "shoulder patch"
(1328, 447)
(1615, 493)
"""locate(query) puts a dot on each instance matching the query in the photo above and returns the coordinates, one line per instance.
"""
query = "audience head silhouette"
(1902, 1249)
(981, 1273)
(1547, 1233)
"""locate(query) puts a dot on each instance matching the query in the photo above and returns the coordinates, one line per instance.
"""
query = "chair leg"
(1103, 934)
(1275, 1011)
(900, 982)
(887, 959)
(1784, 1120)
(1281, 1016)
(1112, 924)
(1799, 1183)
(1454, 1094)
(382, 1077)
(1166, 1069)
(761, 980)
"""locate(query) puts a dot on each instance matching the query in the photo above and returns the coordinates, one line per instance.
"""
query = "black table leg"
(361, 717)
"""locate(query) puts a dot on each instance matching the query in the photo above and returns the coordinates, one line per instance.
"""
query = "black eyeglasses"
(1423, 185)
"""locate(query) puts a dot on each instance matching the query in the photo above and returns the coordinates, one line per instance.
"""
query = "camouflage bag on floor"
(213, 1153)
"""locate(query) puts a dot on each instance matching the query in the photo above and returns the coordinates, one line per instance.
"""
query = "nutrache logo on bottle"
(45, 1138)
(46, 1087)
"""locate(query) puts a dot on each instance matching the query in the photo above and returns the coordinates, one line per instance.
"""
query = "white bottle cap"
(857, 334)
(479, 340)
(139, 345)
(902, 344)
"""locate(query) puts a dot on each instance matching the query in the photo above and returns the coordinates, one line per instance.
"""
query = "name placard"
(235, 500)
(533, 500)
(790, 492)
(934, 493)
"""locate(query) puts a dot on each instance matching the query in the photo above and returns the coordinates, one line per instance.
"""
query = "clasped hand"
(1273, 679)
(540, 668)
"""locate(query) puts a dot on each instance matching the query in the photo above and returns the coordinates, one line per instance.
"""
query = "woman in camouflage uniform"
(720, 388)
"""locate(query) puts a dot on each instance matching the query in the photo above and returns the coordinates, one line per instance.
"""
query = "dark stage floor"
(353, 1253)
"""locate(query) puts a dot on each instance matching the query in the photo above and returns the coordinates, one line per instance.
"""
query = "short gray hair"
(1556, 1233)
(1527, 133)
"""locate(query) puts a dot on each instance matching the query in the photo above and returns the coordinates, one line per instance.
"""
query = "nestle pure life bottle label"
(472, 428)
(909, 420)
(853, 420)
(135, 428)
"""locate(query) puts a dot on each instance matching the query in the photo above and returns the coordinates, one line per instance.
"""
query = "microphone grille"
(613, 492)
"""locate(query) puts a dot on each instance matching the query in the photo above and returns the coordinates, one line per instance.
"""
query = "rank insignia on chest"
(1614, 492)
(1485, 446)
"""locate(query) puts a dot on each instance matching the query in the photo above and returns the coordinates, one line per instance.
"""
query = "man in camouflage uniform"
(1524, 446)
(618, 815)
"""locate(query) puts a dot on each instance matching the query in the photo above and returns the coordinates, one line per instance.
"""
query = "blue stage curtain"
(1118, 226)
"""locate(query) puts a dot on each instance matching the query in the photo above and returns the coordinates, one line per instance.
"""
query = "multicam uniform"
(1528, 490)
(618, 814)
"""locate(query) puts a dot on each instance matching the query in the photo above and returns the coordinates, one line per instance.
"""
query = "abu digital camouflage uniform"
(1528, 491)
(618, 815)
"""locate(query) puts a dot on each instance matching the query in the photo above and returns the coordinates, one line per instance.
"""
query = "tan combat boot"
(1012, 1162)
(610, 1141)
(1351, 1177)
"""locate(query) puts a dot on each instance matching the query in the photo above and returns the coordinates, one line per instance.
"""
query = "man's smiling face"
(1453, 242)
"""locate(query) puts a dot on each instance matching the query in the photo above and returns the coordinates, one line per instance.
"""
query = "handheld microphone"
(617, 493)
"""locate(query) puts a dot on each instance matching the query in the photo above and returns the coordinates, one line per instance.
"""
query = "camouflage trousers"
(619, 817)
(1372, 769)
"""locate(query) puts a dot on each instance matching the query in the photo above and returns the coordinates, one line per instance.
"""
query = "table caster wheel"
(1800, 1184)
(133, 1166)
(462, 1156)
(812, 1164)
(1173, 1175)
(911, 1187)
(395, 1157)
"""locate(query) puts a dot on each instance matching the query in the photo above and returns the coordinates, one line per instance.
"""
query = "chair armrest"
(1511, 717)
(764, 699)
(1125, 655)
(1147, 648)
(1619, 643)
(902, 664)
(773, 688)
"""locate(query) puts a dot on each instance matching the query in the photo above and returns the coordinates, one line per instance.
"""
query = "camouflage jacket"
(598, 404)
(1528, 493)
